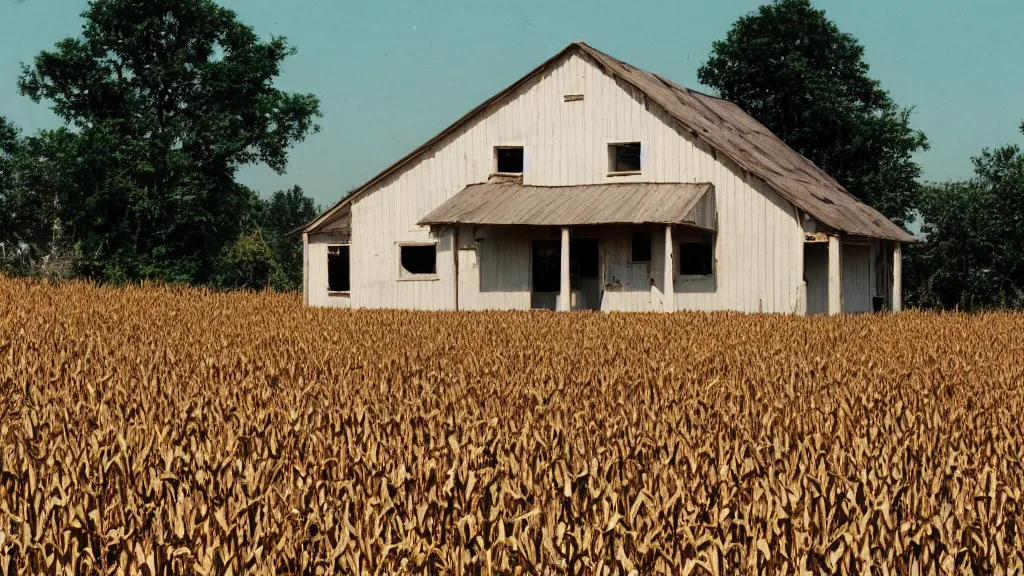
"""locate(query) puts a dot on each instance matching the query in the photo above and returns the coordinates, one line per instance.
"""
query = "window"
(510, 160)
(697, 254)
(338, 269)
(624, 157)
(641, 246)
(419, 259)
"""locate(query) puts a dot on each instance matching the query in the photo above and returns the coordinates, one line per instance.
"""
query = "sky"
(391, 74)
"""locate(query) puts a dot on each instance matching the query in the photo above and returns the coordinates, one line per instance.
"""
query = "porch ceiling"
(512, 203)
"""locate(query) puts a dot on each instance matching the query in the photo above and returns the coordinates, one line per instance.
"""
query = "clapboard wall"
(759, 243)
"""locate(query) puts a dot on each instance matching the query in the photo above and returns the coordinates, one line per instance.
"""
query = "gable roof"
(718, 122)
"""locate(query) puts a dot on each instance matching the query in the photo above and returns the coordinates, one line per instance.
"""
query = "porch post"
(669, 297)
(897, 277)
(564, 301)
(835, 292)
(453, 242)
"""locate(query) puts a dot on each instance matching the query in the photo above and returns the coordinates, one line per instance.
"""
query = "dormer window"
(509, 159)
(624, 158)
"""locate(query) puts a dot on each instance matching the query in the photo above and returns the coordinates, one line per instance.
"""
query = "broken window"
(697, 254)
(641, 246)
(510, 160)
(624, 157)
(419, 259)
(338, 279)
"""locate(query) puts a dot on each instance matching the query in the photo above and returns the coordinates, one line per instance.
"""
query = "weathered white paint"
(452, 253)
(564, 303)
(658, 288)
(798, 259)
(627, 284)
(816, 273)
(835, 303)
(856, 277)
(897, 277)
(316, 256)
(758, 246)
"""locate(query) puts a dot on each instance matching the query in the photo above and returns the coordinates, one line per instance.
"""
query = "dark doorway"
(547, 264)
(584, 272)
(338, 269)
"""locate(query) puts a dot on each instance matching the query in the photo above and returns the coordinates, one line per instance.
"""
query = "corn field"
(153, 430)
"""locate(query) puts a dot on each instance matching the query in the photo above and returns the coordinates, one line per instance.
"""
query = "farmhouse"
(593, 185)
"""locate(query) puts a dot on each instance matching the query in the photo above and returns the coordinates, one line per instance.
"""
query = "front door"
(585, 272)
(546, 264)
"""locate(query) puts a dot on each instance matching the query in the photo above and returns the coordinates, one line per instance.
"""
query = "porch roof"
(504, 202)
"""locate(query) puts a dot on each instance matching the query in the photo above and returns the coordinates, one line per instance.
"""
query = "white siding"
(856, 278)
(317, 281)
(494, 272)
(758, 242)
(627, 284)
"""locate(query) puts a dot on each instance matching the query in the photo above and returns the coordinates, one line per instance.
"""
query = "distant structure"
(593, 185)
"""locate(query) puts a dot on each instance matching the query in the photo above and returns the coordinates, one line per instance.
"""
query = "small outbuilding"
(589, 184)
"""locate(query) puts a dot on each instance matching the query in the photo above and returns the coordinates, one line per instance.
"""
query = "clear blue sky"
(392, 74)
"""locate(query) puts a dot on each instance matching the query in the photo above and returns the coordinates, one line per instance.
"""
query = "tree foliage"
(167, 100)
(973, 253)
(8, 148)
(248, 262)
(283, 212)
(793, 70)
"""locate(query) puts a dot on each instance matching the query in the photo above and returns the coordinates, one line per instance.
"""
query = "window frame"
(613, 159)
(494, 166)
(406, 276)
(678, 256)
(650, 247)
(328, 269)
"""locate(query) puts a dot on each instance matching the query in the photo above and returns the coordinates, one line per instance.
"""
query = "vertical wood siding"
(816, 272)
(567, 143)
(317, 286)
(857, 278)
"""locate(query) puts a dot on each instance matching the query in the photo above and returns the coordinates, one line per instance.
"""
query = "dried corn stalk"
(152, 430)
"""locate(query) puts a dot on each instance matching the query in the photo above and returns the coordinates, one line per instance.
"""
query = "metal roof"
(505, 202)
(718, 122)
(754, 148)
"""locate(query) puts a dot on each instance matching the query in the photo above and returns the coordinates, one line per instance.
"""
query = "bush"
(248, 263)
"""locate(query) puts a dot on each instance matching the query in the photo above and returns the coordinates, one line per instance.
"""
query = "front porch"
(607, 267)
(590, 247)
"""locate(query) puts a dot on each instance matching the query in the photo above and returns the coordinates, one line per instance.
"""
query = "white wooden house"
(591, 184)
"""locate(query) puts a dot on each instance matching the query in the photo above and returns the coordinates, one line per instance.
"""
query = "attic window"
(418, 260)
(624, 158)
(510, 159)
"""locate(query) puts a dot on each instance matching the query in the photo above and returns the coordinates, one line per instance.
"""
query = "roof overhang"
(510, 203)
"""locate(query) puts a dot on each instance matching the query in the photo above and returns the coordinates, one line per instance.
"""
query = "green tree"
(973, 253)
(248, 262)
(40, 181)
(169, 99)
(283, 212)
(8, 148)
(793, 70)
